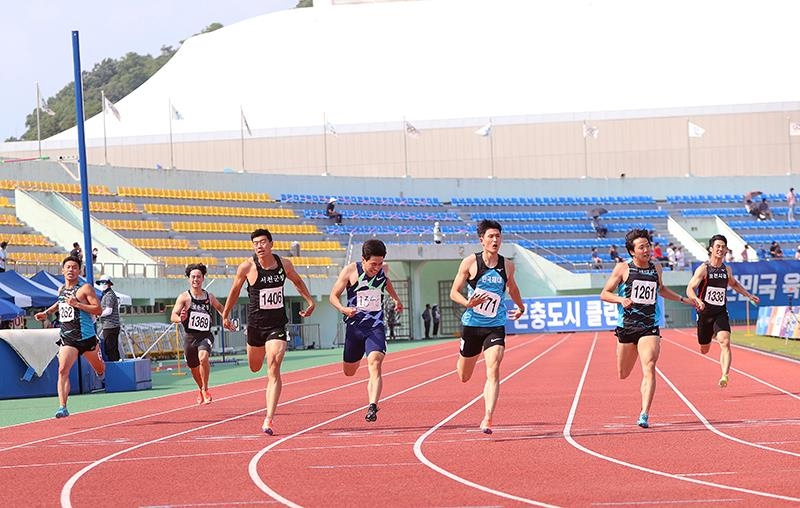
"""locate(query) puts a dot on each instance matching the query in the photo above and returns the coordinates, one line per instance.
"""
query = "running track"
(564, 436)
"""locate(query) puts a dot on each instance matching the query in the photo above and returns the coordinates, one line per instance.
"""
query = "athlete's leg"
(626, 359)
(276, 350)
(255, 357)
(350, 368)
(493, 356)
(95, 359)
(725, 355)
(66, 359)
(466, 366)
(375, 384)
(649, 350)
(204, 369)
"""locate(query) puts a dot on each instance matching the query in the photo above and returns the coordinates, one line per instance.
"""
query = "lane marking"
(66, 490)
(253, 467)
(570, 440)
(421, 456)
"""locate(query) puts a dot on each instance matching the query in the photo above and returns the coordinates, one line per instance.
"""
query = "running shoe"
(62, 412)
(207, 398)
(486, 426)
(372, 413)
(199, 398)
(642, 421)
(268, 427)
(723, 381)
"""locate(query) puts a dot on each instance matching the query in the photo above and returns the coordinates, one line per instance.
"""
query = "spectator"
(76, 251)
(797, 254)
(109, 319)
(597, 263)
(391, 317)
(331, 212)
(728, 256)
(614, 255)
(294, 249)
(680, 258)
(438, 236)
(671, 259)
(437, 318)
(775, 251)
(598, 227)
(764, 213)
(744, 252)
(426, 320)
(657, 252)
(791, 199)
(4, 259)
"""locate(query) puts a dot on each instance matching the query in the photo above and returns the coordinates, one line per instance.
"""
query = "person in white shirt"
(791, 199)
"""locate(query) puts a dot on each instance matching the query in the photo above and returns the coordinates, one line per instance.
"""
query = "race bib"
(199, 321)
(270, 298)
(489, 306)
(715, 296)
(369, 300)
(644, 292)
(66, 312)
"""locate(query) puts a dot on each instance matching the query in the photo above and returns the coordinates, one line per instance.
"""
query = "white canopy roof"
(448, 59)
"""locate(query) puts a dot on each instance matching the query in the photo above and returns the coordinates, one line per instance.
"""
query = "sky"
(37, 42)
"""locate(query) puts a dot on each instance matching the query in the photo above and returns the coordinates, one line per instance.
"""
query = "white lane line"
(66, 490)
(712, 428)
(669, 502)
(570, 440)
(191, 406)
(421, 456)
(253, 467)
(743, 373)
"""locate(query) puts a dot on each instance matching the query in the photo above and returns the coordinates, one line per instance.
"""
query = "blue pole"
(87, 229)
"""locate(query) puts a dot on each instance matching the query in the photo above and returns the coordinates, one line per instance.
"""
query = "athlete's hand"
(226, 323)
(40, 316)
(516, 313)
(755, 299)
(476, 299)
(184, 314)
(698, 304)
(73, 302)
(398, 306)
(309, 310)
(350, 311)
(626, 303)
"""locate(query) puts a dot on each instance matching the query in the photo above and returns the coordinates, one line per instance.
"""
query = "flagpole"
(325, 141)
(688, 147)
(585, 152)
(171, 159)
(38, 125)
(491, 150)
(789, 135)
(241, 131)
(405, 147)
(105, 142)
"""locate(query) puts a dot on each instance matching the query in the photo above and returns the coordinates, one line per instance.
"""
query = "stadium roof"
(429, 60)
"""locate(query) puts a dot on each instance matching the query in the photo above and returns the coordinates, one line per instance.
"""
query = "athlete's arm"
(398, 305)
(41, 316)
(215, 303)
(736, 286)
(233, 295)
(91, 304)
(668, 293)
(695, 281)
(338, 288)
(614, 280)
(513, 292)
(293, 276)
(461, 280)
(179, 309)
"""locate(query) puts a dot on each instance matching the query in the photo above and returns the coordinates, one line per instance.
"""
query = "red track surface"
(565, 435)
